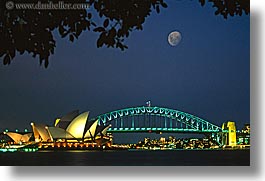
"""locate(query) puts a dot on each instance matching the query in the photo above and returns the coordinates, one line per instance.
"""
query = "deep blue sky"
(207, 74)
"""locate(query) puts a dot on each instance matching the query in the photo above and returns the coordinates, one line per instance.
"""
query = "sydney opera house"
(73, 130)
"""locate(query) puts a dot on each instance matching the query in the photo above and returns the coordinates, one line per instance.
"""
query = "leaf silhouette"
(32, 31)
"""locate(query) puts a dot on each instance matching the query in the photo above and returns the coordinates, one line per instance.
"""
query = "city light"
(84, 133)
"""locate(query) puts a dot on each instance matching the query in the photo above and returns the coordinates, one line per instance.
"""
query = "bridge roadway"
(158, 130)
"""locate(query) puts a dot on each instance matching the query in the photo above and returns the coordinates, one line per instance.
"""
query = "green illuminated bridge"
(155, 119)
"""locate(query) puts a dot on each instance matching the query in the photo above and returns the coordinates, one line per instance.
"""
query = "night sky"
(206, 75)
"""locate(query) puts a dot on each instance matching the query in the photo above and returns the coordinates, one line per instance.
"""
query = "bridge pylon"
(229, 133)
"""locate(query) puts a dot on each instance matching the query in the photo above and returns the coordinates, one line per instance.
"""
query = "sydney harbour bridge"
(155, 119)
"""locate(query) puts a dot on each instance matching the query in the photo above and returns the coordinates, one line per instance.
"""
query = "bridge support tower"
(229, 133)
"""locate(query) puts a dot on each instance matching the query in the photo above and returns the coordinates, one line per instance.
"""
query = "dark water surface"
(135, 158)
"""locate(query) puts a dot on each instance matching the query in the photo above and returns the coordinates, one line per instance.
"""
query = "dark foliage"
(31, 31)
(229, 7)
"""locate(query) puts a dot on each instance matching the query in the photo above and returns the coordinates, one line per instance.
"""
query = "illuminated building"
(243, 137)
(229, 133)
(64, 121)
(162, 140)
(41, 133)
(19, 138)
(71, 128)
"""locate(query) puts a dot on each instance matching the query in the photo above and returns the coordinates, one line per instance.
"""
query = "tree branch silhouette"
(32, 31)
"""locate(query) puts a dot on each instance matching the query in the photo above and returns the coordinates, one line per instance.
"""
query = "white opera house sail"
(72, 127)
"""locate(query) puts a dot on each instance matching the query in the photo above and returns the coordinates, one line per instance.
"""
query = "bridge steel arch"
(193, 124)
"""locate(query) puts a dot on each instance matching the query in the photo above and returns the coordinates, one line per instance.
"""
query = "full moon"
(174, 38)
